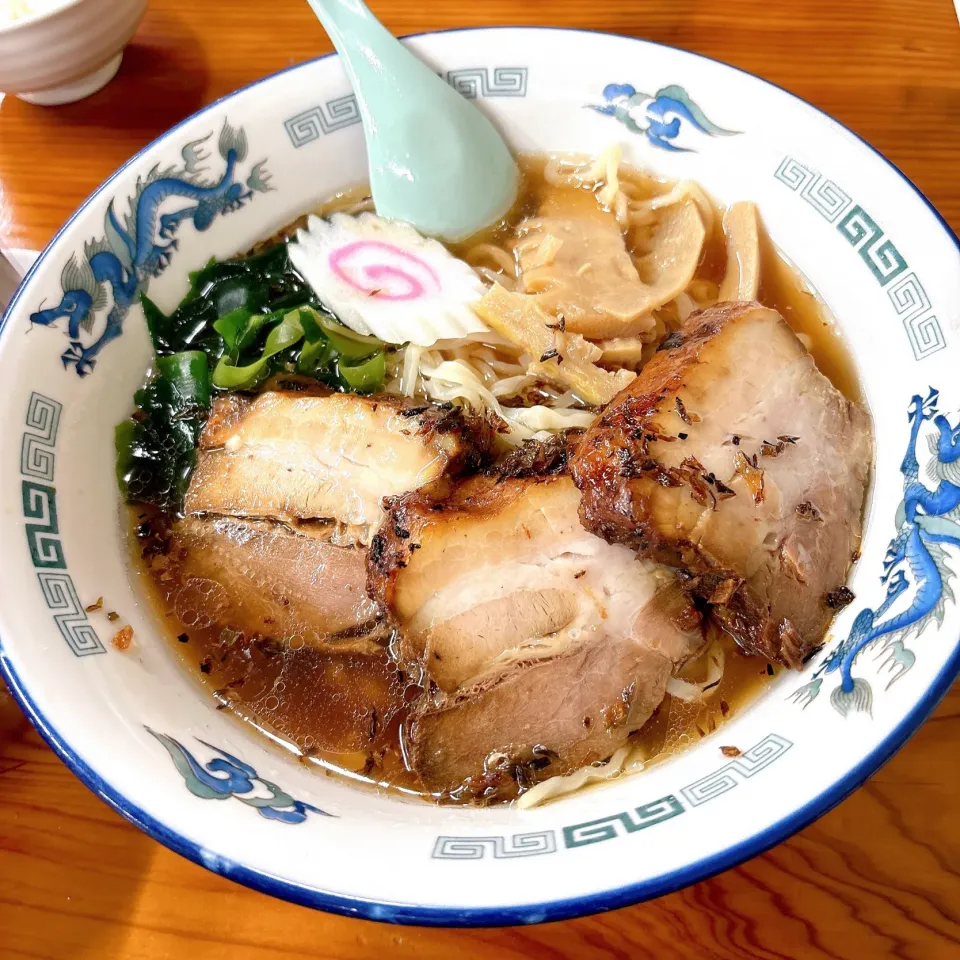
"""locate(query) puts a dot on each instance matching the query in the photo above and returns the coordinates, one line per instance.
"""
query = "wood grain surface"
(877, 877)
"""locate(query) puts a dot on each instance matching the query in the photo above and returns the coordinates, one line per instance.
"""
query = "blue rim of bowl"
(411, 913)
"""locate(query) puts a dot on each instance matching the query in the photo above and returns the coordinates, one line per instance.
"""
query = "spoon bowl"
(435, 160)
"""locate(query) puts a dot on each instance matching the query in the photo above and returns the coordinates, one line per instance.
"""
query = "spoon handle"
(380, 69)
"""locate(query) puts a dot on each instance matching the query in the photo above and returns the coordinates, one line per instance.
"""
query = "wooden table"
(877, 877)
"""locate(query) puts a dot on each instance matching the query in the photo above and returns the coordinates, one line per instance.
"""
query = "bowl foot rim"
(76, 89)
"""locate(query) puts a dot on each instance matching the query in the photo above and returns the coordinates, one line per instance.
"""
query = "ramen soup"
(489, 521)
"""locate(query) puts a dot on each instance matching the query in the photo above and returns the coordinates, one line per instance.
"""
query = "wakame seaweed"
(242, 321)
(266, 283)
(156, 448)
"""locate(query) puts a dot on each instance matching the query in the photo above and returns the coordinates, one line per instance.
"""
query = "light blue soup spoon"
(435, 160)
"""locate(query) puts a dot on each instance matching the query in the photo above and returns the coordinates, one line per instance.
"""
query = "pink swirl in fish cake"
(383, 270)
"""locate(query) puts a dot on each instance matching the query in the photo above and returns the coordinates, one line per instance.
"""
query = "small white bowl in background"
(65, 51)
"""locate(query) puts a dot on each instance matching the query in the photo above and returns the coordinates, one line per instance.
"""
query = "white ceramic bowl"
(69, 52)
(134, 726)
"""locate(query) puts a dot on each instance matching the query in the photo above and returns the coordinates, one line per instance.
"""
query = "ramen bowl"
(137, 729)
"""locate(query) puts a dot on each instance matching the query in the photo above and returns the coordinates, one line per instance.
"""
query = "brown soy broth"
(344, 712)
(337, 711)
(677, 724)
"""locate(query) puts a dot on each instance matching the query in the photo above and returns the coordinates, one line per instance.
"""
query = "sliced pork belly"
(303, 455)
(563, 713)
(532, 632)
(734, 459)
(500, 571)
(273, 582)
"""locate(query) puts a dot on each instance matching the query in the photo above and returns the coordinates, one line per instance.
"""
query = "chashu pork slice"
(538, 639)
(732, 458)
(295, 455)
(263, 579)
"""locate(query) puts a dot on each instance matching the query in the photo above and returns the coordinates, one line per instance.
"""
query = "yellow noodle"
(497, 255)
(496, 276)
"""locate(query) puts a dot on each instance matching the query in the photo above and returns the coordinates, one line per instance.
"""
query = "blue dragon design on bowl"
(927, 521)
(659, 117)
(134, 250)
(226, 776)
